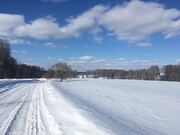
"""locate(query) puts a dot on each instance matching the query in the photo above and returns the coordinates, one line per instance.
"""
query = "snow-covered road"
(37, 108)
(89, 107)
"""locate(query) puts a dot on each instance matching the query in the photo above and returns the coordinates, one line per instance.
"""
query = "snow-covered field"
(89, 107)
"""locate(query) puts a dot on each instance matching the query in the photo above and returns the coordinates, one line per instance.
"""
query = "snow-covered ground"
(89, 107)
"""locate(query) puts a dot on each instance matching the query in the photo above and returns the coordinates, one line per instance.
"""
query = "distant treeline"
(10, 68)
(167, 73)
(153, 73)
(171, 73)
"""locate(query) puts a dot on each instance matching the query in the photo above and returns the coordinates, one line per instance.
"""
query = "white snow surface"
(89, 107)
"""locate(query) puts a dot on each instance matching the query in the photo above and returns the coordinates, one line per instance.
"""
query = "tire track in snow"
(9, 91)
(23, 112)
(39, 109)
(35, 124)
(53, 127)
(8, 115)
(39, 120)
(9, 101)
(13, 122)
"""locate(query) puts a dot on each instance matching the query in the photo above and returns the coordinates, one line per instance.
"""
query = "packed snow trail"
(37, 108)
(89, 107)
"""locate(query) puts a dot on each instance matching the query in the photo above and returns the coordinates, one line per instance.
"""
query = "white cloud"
(121, 59)
(132, 21)
(63, 46)
(84, 61)
(30, 59)
(90, 62)
(99, 63)
(49, 58)
(50, 45)
(86, 21)
(48, 28)
(98, 39)
(142, 44)
(42, 28)
(86, 58)
(9, 22)
(20, 51)
(19, 42)
(61, 59)
(137, 20)
(178, 60)
(174, 30)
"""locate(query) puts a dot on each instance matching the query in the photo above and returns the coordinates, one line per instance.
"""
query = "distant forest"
(10, 68)
(168, 73)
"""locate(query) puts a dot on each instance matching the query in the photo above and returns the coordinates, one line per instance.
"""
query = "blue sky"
(92, 34)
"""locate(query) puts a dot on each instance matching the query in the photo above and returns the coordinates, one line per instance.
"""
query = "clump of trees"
(152, 73)
(28, 71)
(167, 73)
(9, 68)
(60, 70)
(171, 73)
(7, 63)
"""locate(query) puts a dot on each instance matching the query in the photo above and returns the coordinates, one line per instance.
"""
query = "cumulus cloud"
(174, 30)
(86, 58)
(9, 22)
(132, 22)
(98, 39)
(84, 63)
(54, 46)
(61, 59)
(86, 21)
(50, 45)
(20, 51)
(137, 20)
(47, 28)
(178, 60)
(142, 44)
(19, 42)
(49, 58)
(42, 28)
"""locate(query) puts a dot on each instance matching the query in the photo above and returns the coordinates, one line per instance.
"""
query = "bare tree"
(171, 73)
(154, 72)
(61, 70)
(7, 63)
